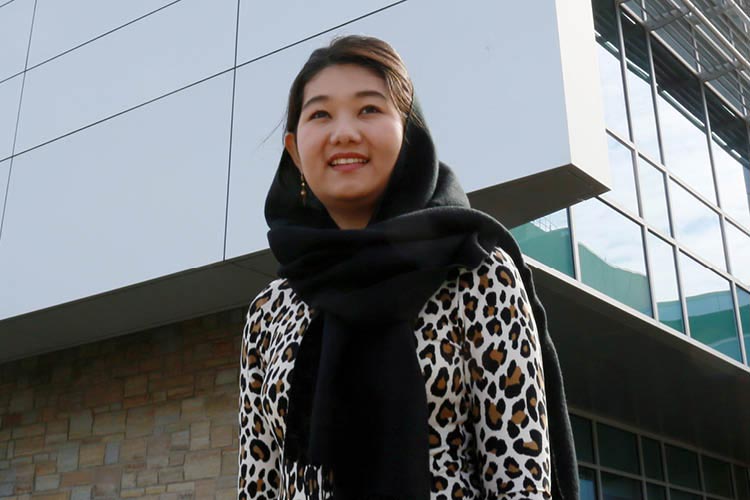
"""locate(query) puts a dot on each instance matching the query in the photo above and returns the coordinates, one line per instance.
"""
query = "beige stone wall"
(147, 415)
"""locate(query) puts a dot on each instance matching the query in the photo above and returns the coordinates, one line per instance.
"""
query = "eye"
(318, 114)
(370, 109)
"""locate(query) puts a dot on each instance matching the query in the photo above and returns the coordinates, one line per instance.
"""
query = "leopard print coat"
(478, 348)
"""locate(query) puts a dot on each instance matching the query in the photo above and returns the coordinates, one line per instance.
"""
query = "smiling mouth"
(348, 161)
(348, 165)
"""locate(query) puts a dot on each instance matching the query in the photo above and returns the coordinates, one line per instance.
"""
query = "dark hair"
(366, 51)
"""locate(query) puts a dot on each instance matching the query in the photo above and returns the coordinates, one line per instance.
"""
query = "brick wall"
(148, 415)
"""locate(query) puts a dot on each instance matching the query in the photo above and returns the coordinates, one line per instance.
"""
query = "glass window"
(15, 25)
(653, 195)
(717, 476)
(127, 68)
(618, 449)
(610, 71)
(682, 466)
(268, 26)
(94, 212)
(652, 458)
(547, 239)
(696, 225)
(620, 488)
(729, 145)
(682, 123)
(710, 309)
(664, 282)
(683, 495)
(743, 299)
(587, 482)
(742, 483)
(583, 440)
(60, 26)
(623, 180)
(739, 252)
(10, 96)
(655, 492)
(640, 97)
(615, 116)
(610, 249)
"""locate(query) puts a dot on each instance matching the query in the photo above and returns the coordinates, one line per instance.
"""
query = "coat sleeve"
(508, 411)
(259, 453)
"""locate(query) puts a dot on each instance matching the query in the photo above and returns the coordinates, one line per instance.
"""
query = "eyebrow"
(361, 93)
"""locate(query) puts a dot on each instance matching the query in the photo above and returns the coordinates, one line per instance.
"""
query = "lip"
(346, 155)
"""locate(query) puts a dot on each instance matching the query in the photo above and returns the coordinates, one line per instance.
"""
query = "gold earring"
(303, 191)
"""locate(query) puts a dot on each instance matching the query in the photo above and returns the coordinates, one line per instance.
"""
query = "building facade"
(137, 144)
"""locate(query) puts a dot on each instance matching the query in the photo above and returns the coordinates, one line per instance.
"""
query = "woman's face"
(348, 138)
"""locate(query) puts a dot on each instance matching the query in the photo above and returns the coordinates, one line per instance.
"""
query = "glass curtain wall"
(680, 199)
(616, 463)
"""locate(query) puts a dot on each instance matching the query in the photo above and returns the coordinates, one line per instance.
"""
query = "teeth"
(343, 161)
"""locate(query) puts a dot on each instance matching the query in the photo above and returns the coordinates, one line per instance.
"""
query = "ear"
(290, 144)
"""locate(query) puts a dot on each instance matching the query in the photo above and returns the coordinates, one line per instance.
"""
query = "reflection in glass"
(682, 467)
(615, 116)
(127, 68)
(60, 26)
(730, 148)
(653, 195)
(696, 225)
(664, 282)
(652, 458)
(10, 96)
(618, 449)
(15, 25)
(717, 477)
(587, 481)
(610, 72)
(547, 239)
(655, 492)
(743, 299)
(739, 252)
(710, 308)
(582, 437)
(620, 488)
(610, 248)
(94, 211)
(638, 78)
(623, 179)
(682, 123)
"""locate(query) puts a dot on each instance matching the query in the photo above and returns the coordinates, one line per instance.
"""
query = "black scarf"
(358, 403)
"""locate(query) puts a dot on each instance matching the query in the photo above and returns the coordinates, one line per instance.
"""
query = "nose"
(345, 130)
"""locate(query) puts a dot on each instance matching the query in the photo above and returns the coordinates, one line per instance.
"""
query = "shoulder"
(270, 297)
(496, 270)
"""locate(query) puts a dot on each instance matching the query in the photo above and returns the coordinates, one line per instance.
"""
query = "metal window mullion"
(574, 243)
(654, 99)
(738, 321)
(676, 256)
(649, 274)
(663, 448)
(598, 477)
(709, 143)
(641, 466)
(623, 70)
(701, 478)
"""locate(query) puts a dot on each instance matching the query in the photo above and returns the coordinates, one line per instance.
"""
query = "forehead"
(343, 80)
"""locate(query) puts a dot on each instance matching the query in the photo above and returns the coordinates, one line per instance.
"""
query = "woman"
(402, 353)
